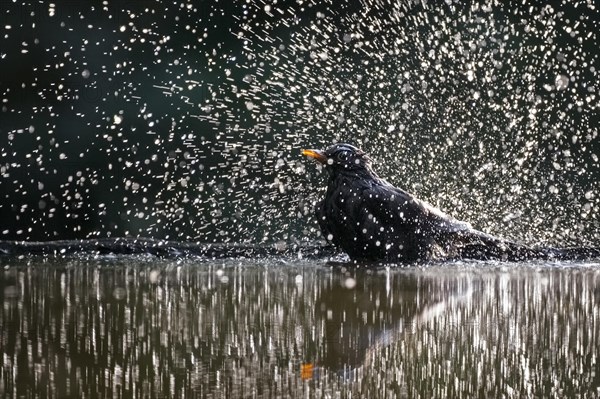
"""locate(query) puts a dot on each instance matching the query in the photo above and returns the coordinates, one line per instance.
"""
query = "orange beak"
(316, 154)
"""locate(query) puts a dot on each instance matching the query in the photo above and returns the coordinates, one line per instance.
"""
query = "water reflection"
(139, 327)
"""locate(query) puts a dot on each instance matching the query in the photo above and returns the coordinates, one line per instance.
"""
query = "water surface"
(141, 327)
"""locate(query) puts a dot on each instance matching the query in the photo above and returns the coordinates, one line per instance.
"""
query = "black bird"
(371, 220)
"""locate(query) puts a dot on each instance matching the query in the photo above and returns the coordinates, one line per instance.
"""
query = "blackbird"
(371, 220)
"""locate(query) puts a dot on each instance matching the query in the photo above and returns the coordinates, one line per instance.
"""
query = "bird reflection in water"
(362, 313)
(137, 327)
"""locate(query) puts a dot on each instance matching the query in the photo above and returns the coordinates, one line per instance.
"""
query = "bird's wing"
(393, 206)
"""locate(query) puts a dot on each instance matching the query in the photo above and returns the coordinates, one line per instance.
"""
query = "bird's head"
(340, 157)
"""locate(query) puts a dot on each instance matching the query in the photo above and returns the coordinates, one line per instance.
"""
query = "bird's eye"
(343, 156)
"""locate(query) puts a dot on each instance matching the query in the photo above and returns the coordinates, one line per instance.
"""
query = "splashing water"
(184, 120)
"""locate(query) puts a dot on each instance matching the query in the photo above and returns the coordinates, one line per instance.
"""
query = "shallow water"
(141, 327)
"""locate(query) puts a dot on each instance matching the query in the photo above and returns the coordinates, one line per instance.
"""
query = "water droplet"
(561, 82)
(350, 283)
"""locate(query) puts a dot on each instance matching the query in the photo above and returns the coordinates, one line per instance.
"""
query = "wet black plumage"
(372, 220)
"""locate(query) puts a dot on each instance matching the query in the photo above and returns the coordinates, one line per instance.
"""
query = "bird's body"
(372, 220)
(376, 221)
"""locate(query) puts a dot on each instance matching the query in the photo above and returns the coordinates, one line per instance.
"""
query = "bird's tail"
(574, 253)
(481, 246)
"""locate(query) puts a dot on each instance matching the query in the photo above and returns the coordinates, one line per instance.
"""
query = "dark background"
(184, 120)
